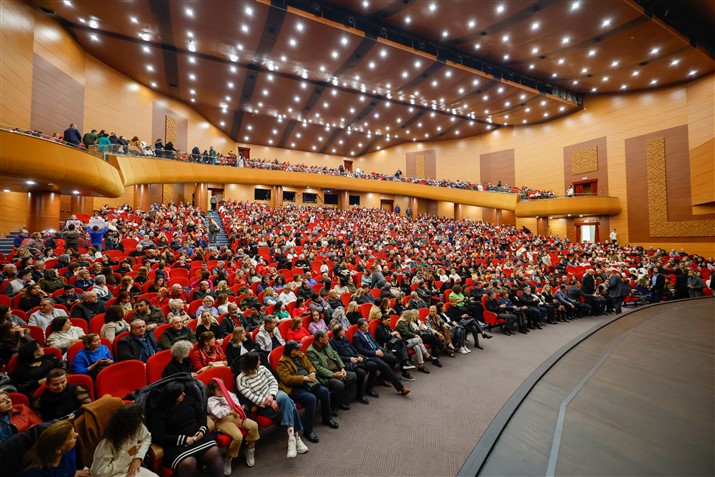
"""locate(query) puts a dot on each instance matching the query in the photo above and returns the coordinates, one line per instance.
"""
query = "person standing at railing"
(159, 148)
(135, 146)
(90, 138)
(104, 143)
(170, 151)
(212, 155)
(195, 154)
(72, 135)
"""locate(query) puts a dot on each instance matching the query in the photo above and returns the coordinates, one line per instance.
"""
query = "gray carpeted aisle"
(430, 432)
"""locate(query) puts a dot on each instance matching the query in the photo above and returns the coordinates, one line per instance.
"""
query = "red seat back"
(122, 378)
(351, 332)
(275, 356)
(222, 372)
(155, 365)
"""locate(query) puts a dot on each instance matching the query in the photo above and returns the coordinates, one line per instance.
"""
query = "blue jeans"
(288, 414)
(310, 403)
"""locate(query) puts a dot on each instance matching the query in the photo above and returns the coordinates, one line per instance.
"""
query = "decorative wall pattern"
(420, 166)
(167, 193)
(169, 129)
(584, 160)
(656, 175)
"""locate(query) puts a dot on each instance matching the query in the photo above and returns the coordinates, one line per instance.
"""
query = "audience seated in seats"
(208, 322)
(93, 358)
(331, 372)
(114, 323)
(178, 424)
(176, 305)
(89, 307)
(61, 400)
(176, 331)
(152, 315)
(12, 336)
(355, 362)
(44, 316)
(138, 344)
(32, 368)
(239, 344)
(406, 327)
(124, 446)
(63, 334)
(53, 453)
(316, 323)
(207, 354)
(269, 336)
(297, 377)
(230, 418)
(260, 388)
(31, 296)
(15, 418)
(234, 318)
(383, 359)
(180, 360)
(296, 332)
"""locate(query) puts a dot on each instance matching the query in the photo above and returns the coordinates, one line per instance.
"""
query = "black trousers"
(385, 370)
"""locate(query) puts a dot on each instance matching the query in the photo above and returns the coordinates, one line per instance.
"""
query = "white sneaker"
(292, 451)
(250, 456)
(300, 447)
(467, 349)
(227, 465)
(463, 350)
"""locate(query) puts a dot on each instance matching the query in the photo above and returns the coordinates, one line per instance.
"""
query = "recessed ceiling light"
(233, 58)
(472, 23)
(445, 33)
(584, 70)
(418, 63)
(189, 34)
(565, 40)
(606, 22)
(192, 91)
(574, 82)
(233, 69)
(192, 46)
(528, 110)
(543, 102)
(334, 54)
(562, 108)
(653, 81)
(432, 6)
(534, 50)
(93, 23)
(477, 46)
(655, 51)
(615, 63)
(153, 84)
(408, 20)
(292, 42)
(371, 65)
(244, 28)
(593, 90)
(505, 38)
(675, 62)
(222, 123)
(605, 78)
(500, 8)
(134, 20)
(692, 72)
(532, 66)
(591, 52)
(192, 76)
(365, 4)
(30, 182)
(561, 61)
(635, 73)
(189, 12)
(506, 57)
(624, 86)
(344, 41)
(575, 5)
(94, 37)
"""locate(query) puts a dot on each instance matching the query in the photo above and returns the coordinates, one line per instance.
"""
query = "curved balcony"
(137, 170)
(54, 167)
(565, 206)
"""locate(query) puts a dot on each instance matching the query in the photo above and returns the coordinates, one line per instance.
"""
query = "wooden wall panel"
(571, 155)
(497, 166)
(158, 126)
(13, 211)
(701, 140)
(421, 164)
(16, 58)
(57, 99)
(55, 45)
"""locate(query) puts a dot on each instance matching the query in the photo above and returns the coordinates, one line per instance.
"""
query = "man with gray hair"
(269, 337)
(138, 344)
(180, 362)
(47, 312)
(89, 307)
(176, 332)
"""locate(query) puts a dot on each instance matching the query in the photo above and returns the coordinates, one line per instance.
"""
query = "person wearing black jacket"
(493, 305)
(534, 313)
(356, 363)
(390, 340)
(588, 288)
(138, 344)
(366, 345)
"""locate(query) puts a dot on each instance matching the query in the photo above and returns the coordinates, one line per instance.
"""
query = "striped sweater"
(256, 387)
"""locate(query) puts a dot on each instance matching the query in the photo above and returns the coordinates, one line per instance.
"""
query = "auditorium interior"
(574, 120)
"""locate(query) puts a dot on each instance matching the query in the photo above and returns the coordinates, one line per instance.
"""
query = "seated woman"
(178, 424)
(53, 454)
(296, 332)
(230, 418)
(269, 297)
(162, 298)
(114, 323)
(31, 297)
(316, 323)
(126, 301)
(207, 305)
(32, 368)
(208, 322)
(177, 309)
(352, 313)
(300, 307)
(208, 354)
(12, 336)
(61, 400)
(15, 418)
(158, 283)
(257, 384)
(222, 288)
(221, 303)
(240, 344)
(412, 339)
(180, 361)
(280, 312)
(93, 358)
(125, 443)
(63, 334)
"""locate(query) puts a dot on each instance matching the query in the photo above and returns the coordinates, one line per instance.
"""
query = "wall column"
(277, 196)
(413, 205)
(458, 214)
(201, 196)
(43, 211)
(343, 200)
(81, 204)
(142, 197)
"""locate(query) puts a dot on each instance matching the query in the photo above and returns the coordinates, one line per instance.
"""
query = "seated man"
(44, 316)
(176, 332)
(93, 358)
(152, 315)
(297, 378)
(138, 344)
(269, 336)
(356, 363)
(90, 306)
(249, 300)
(416, 302)
(233, 319)
(332, 373)
(69, 297)
(203, 291)
(366, 345)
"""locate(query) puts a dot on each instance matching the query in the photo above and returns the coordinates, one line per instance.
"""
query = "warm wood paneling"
(16, 57)
(565, 206)
(57, 99)
(601, 163)
(52, 43)
(497, 167)
(13, 211)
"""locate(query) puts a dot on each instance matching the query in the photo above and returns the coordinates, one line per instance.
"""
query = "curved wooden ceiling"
(351, 77)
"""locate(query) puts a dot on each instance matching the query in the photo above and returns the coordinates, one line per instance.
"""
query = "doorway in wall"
(387, 204)
(348, 165)
(585, 188)
(218, 192)
(588, 232)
